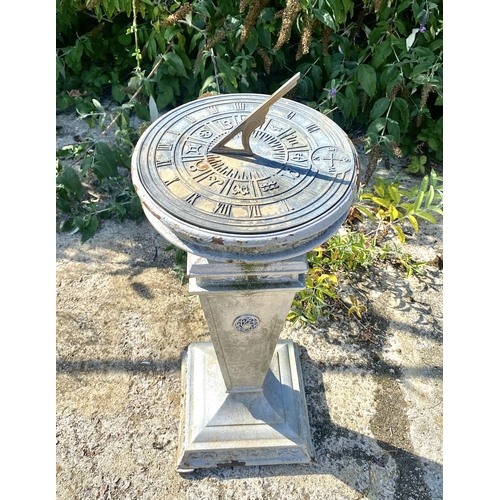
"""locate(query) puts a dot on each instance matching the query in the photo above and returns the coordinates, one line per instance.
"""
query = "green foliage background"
(383, 58)
(374, 66)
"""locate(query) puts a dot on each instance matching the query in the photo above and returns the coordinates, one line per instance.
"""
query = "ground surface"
(123, 319)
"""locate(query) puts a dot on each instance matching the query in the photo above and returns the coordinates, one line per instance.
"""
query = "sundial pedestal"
(243, 392)
(247, 185)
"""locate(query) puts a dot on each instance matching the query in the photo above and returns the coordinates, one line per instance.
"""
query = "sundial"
(230, 169)
(247, 184)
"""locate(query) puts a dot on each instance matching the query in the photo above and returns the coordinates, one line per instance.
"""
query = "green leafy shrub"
(98, 188)
(389, 207)
(392, 206)
(374, 66)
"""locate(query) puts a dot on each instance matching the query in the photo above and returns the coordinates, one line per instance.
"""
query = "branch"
(137, 92)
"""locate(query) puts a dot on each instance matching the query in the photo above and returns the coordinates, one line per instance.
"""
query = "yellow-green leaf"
(395, 195)
(401, 235)
(393, 213)
(419, 200)
(408, 207)
(367, 212)
(426, 216)
(381, 201)
(380, 190)
(413, 222)
(430, 196)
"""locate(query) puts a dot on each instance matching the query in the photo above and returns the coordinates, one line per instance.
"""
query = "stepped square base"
(230, 428)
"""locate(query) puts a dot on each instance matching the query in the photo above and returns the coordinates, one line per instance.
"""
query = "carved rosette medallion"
(246, 323)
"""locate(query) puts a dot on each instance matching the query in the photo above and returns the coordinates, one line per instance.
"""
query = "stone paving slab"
(124, 318)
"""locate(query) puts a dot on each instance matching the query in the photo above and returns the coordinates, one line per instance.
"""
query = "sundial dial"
(246, 166)
(247, 184)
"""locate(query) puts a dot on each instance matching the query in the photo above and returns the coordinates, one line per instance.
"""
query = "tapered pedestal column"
(243, 393)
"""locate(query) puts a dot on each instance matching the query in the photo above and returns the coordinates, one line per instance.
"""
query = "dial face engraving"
(301, 165)
(333, 159)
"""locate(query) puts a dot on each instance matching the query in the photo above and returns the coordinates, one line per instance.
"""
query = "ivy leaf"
(367, 79)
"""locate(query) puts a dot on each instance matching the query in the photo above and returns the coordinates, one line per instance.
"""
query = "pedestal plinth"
(223, 428)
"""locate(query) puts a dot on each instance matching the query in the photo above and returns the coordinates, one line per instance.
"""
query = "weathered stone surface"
(123, 321)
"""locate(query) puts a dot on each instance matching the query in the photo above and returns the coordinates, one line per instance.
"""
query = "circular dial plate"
(302, 165)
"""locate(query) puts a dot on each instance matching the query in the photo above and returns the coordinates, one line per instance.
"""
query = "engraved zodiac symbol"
(226, 124)
(204, 132)
(192, 149)
(298, 156)
(241, 189)
(269, 186)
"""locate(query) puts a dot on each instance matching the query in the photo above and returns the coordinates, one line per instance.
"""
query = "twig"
(95, 17)
(212, 55)
(137, 92)
(366, 330)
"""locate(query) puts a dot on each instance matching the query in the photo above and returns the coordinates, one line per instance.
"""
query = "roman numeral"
(175, 179)
(285, 205)
(312, 128)
(192, 198)
(254, 211)
(163, 163)
(224, 209)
